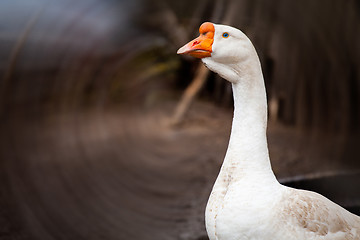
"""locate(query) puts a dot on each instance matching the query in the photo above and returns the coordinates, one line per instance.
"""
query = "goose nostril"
(195, 43)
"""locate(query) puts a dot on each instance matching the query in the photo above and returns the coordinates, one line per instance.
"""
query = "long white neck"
(247, 154)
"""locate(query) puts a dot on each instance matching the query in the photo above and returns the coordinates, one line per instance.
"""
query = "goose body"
(247, 201)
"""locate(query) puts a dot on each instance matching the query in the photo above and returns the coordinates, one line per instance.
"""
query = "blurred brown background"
(106, 133)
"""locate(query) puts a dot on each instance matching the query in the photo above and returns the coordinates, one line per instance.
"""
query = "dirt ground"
(122, 174)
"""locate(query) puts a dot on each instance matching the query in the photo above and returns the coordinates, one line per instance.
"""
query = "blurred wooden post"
(189, 95)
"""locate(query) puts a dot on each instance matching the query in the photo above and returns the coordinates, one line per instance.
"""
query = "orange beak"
(201, 46)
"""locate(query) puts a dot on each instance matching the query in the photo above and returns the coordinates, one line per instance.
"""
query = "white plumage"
(247, 202)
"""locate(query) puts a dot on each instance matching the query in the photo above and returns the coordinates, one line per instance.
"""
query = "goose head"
(223, 49)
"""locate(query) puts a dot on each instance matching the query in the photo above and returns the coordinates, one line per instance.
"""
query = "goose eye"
(225, 35)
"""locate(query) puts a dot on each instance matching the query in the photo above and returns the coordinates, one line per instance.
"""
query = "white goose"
(247, 202)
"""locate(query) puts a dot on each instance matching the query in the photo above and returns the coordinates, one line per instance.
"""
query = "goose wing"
(315, 217)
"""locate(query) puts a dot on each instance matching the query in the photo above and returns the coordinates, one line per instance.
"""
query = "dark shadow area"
(341, 188)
